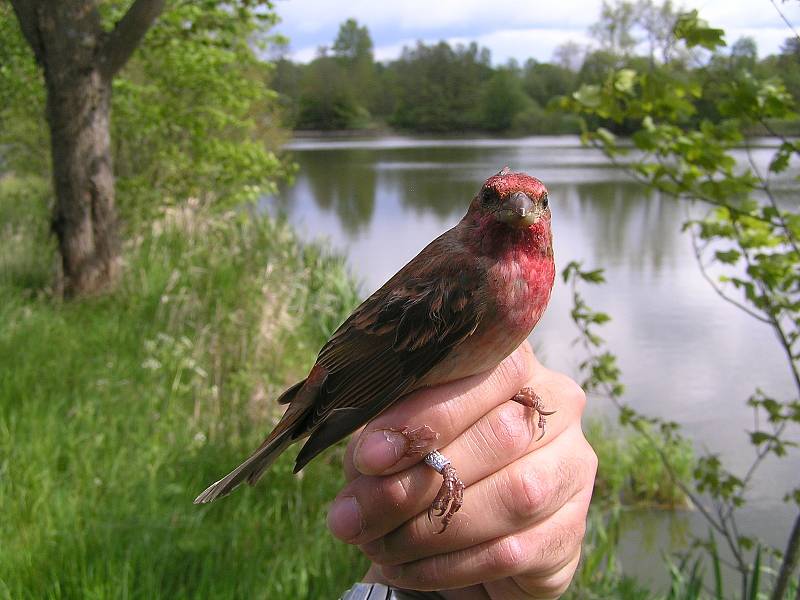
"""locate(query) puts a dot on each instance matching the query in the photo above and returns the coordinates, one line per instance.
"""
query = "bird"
(458, 308)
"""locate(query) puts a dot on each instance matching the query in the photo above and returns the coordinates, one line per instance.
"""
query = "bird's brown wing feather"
(390, 342)
(381, 352)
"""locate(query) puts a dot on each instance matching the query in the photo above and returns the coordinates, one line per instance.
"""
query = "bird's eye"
(488, 196)
(545, 201)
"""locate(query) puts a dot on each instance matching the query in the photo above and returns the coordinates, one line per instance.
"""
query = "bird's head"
(513, 199)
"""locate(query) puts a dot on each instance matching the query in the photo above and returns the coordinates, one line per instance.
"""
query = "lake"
(685, 354)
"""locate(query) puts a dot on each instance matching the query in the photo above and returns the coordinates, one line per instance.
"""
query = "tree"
(657, 22)
(353, 50)
(614, 30)
(193, 112)
(79, 59)
(788, 64)
(439, 87)
(353, 43)
(544, 81)
(596, 66)
(747, 249)
(625, 24)
(327, 100)
(503, 98)
(194, 115)
(568, 55)
(744, 54)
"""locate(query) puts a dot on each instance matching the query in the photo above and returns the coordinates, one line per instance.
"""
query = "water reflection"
(622, 221)
(341, 181)
(414, 183)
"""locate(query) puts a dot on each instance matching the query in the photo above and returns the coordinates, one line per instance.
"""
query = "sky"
(510, 29)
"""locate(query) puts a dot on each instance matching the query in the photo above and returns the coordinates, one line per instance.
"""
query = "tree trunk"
(84, 218)
(80, 59)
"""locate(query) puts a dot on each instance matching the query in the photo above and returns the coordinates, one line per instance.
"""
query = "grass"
(115, 412)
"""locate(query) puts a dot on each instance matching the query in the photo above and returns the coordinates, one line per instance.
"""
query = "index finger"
(433, 417)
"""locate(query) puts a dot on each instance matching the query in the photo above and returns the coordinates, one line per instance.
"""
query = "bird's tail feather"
(282, 436)
(251, 470)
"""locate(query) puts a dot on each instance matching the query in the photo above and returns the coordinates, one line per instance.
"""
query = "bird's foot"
(451, 495)
(527, 397)
(418, 440)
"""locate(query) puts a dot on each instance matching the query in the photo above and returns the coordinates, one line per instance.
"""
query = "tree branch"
(127, 34)
(785, 20)
(28, 19)
(704, 272)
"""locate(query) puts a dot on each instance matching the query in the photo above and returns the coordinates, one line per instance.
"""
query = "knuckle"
(592, 460)
(528, 494)
(586, 462)
(577, 533)
(576, 395)
(575, 536)
(552, 585)
(572, 392)
(567, 390)
(563, 487)
(556, 546)
(507, 554)
(509, 432)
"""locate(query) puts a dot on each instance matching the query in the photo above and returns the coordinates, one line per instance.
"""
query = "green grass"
(116, 411)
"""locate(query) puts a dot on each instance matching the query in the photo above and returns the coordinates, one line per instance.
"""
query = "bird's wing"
(391, 341)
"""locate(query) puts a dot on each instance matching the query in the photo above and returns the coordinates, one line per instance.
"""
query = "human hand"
(519, 532)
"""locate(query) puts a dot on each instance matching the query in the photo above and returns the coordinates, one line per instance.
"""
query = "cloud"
(521, 44)
(768, 39)
(509, 28)
(425, 16)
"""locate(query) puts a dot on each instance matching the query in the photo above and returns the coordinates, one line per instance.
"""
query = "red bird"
(456, 309)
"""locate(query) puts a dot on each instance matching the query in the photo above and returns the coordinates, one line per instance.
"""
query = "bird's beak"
(518, 210)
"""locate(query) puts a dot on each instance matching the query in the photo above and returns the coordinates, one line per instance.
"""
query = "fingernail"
(379, 450)
(344, 519)
(392, 571)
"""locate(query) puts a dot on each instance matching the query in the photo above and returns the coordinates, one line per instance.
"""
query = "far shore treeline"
(441, 88)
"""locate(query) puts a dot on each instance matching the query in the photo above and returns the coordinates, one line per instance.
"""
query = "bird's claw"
(527, 397)
(418, 440)
(449, 499)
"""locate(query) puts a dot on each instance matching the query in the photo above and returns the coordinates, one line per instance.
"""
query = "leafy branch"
(746, 248)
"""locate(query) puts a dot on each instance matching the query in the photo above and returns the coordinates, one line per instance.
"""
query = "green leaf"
(589, 96)
(759, 437)
(696, 32)
(595, 276)
(624, 80)
(729, 257)
(780, 161)
(608, 138)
